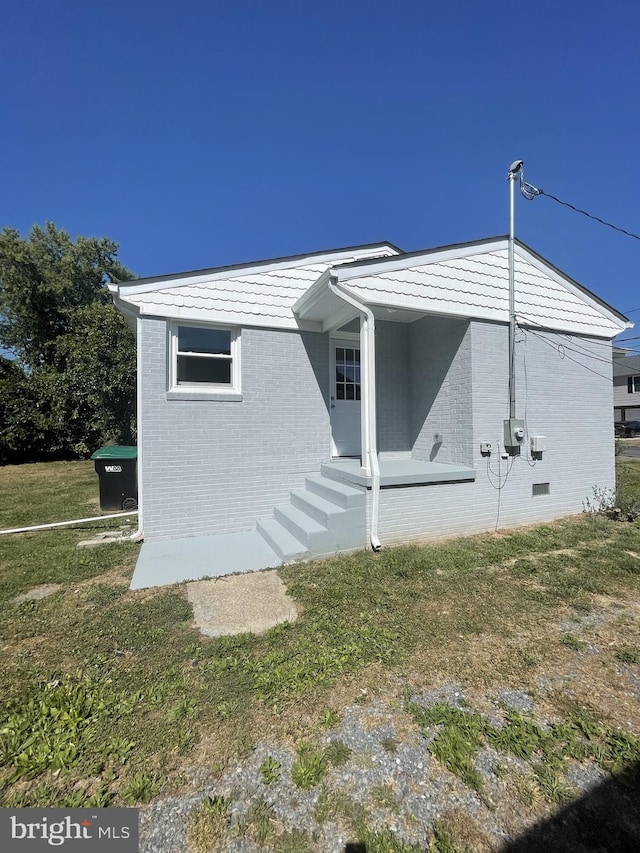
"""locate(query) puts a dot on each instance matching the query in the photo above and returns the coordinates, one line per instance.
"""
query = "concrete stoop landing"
(327, 516)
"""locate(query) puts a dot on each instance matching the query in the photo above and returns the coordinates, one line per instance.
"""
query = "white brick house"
(337, 400)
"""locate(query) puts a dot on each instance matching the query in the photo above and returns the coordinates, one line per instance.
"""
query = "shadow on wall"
(317, 349)
(605, 820)
(434, 345)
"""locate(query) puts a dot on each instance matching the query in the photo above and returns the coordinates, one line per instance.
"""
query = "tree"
(71, 387)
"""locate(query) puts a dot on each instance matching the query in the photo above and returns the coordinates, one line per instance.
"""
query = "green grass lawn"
(109, 694)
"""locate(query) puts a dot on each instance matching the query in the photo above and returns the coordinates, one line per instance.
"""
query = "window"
(633, 384)
(347, 373)
(205, 359)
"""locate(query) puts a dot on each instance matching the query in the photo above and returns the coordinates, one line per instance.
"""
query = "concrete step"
(338, 493)
(309, 531)
(327, 513)
(284, 543)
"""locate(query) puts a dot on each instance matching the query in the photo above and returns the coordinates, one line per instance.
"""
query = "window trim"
(633, 384)
(203, 390)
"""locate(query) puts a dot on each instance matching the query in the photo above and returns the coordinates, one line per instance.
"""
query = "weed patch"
(309, 767)
(56, 727)
(461, 733)
(208, 824)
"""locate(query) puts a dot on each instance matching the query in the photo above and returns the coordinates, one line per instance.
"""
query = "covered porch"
(400, 393)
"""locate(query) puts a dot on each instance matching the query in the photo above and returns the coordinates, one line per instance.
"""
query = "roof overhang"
(213, 274)
(321, 306)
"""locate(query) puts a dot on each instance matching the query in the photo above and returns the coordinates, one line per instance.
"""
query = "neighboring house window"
(205, 358)
(633, 384)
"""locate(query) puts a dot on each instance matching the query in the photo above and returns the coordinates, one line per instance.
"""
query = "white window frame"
(204, 390)
(633, 384)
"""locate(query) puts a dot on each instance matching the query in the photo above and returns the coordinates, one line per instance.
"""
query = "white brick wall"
(441, 400)
(560, 399)
(212, 466)
(393, 386)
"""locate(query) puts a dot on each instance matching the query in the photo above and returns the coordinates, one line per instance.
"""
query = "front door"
(345, 397)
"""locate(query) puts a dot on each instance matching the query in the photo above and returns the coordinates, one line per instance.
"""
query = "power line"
(530, 192)
(560, 349)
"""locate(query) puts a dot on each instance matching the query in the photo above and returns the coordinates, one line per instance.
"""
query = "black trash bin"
(116, 467)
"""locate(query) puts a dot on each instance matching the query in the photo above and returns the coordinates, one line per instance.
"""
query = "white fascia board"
(364, 270)
(251, 269)
(228, 318)
(565, 282)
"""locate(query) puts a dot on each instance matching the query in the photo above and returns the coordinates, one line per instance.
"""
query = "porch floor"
(400, 471)
(170, 561)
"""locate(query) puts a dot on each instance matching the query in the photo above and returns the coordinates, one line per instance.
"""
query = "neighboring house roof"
(626, 366)
(465, 280)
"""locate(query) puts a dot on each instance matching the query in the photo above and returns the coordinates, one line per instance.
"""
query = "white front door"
(345, 397)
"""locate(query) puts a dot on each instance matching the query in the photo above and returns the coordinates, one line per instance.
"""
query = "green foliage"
(329, 719)
(338, 753)
(460, 734)
(208, 823)
(72, 386)
(628, 654)
(573, 642)
(309, 767)
(142, 788)
(269, 770)
(55, 727)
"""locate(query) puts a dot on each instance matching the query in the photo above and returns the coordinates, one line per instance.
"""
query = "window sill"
(216, 396)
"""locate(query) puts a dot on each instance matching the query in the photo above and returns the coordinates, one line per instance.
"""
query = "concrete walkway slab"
(170, 561)
(241, 603)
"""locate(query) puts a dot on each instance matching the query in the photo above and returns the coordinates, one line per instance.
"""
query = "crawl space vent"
(540, 489)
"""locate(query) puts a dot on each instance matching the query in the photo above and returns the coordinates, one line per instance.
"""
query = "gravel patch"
(519, 700)
(402, 788)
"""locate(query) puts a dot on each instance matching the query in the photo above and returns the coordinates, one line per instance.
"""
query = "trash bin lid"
(116, 451)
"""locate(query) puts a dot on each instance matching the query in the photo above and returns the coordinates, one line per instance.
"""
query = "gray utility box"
(514, 432)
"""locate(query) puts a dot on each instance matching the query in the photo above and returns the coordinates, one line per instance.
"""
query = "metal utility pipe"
(513, 171)
(68, 523)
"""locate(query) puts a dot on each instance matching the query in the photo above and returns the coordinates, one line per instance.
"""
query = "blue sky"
(203, 133)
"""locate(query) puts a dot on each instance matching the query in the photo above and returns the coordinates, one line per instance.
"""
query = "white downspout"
(368, 333)
(139, 534)
(127, 310)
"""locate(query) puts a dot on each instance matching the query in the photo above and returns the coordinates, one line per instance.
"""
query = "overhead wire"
(561, 350)
(530, 192)
(575, 340)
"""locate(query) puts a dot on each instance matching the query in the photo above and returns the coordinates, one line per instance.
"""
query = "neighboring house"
(626, 387)
(345, 399)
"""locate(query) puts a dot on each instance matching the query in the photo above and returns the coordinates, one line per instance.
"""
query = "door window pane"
(347, 373)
